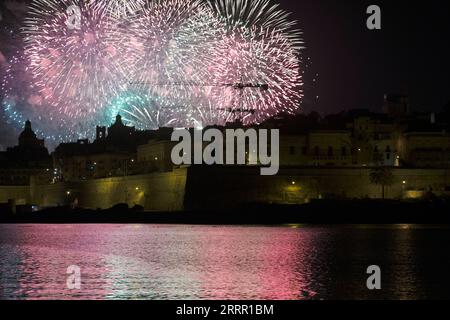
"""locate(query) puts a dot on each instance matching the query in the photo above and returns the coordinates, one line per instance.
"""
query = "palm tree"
(382, 176)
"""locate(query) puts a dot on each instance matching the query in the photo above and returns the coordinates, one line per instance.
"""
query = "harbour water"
(223, 262)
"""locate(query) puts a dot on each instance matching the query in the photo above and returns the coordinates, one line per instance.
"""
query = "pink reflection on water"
(43, 253)
(268, 268)
(157, 262)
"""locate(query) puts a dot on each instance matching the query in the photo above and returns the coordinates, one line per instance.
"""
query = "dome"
(27, 136)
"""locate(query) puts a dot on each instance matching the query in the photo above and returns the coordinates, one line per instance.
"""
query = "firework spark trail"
(22, 101)
(270, 60)
(76, 70)
(142, 110)
(162, 62)
(168, 44)
(245, 41)
(122, 8)
(261, 46)
(247, 14)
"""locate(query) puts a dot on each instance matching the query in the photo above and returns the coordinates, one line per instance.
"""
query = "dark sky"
(356, 66)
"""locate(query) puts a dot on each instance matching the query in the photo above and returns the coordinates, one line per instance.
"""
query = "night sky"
(355, 66)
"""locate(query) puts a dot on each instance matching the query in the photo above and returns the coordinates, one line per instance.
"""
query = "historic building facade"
(320, 157)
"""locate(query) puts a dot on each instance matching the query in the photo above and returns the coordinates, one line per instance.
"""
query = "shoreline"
(328, 212)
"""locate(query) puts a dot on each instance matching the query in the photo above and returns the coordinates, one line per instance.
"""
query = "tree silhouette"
(382, 176)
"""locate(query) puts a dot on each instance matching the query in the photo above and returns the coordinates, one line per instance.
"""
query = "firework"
(178, 63)
(265, 71)
(75, 69)
(261, 56)
(168, 44)
(225, 60)
(122, 8)
(22, 101)
(142, 111)
(150, 112)
(248, 14)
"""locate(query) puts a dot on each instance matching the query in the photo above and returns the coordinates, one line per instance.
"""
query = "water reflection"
(227, 262)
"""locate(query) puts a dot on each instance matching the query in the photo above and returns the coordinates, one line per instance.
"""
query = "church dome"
(27, 136)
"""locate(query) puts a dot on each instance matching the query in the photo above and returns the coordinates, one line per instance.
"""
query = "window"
(344, 151)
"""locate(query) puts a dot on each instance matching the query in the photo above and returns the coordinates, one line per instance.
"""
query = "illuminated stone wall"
(21, 194)
(225, 187)
(156, 191)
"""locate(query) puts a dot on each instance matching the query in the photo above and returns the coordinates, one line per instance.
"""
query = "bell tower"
(101, 133)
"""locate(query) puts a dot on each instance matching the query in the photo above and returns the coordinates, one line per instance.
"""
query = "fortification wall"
(156, 191)
(214, 187)
(20, 194)
(225, 187)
